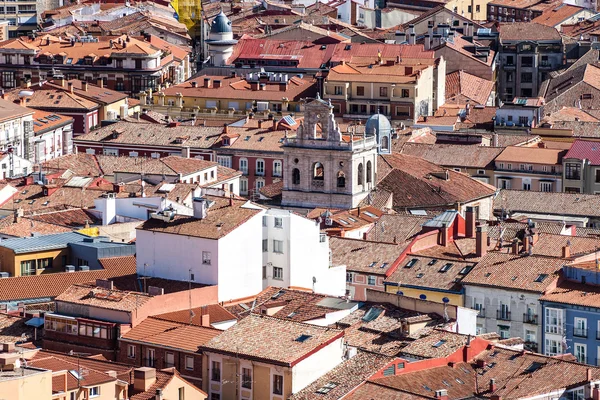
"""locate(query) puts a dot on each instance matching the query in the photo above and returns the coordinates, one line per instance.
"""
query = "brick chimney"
(493, 385)
(283, 86)
(143, 378)
(205, 316)
(566, 250)
(70, 87)
(515, 246)
(481, 240)
(444, 235)
(84, 86)
(274, 127)
(100, 82)
(470, 222)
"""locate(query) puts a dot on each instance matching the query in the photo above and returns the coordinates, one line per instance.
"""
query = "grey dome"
(221, 24)
(378, 124)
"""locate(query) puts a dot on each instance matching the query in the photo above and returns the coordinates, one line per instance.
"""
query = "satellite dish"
(314, 280)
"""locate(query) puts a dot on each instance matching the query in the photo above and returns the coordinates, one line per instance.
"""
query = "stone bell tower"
(325, 167)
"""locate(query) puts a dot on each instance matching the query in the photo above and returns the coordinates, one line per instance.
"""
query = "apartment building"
(124, 63)
(581, 167)
(529, 168)
(528, 52)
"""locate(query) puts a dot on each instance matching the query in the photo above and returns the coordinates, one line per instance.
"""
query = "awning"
(35, 322)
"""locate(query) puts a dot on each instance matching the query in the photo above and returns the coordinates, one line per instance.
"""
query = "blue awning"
(35, 322)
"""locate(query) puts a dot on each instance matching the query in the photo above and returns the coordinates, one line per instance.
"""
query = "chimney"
(100, 82)
(253, 86)
(566, 251)
(18, 213)
(427, 42)
(260, 124)
(274, 127)
(283, 86)
(526, 242)
(194, 84)
(62, 82)
(143, 378)
(200, 207)
(441, 394)
(159, 394)
(470, 222)
(205, 316)
(22, 101)
(481, 240)
(71, 87)
(84, 86)
(596, 392)
(225, 129)
(444, 235)
(430, 25)
(216, 84)
(493, 385)
(412, 38)
(206, 82)
(515, 246)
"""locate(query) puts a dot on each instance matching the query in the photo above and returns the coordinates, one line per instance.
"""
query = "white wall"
(466, 321)
(317, 365)
(172, 256)
(239, 261)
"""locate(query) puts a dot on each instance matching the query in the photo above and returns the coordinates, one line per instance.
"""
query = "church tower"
(325, 168)
(379, 126)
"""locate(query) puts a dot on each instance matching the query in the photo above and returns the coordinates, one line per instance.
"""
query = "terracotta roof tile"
(175, 335)
(74, 218)
(453, 155)
(216, 312)
(52, 285)
(527, 30)
(572, 204)
(12, 327)
(365, 256)
(93, 296)
(574, 293)
(556, 15)
(462, 86)
(533, 155)
(271, 340)
(221, 220)
(585, 150)
(441, 275)
(308, 54)
(25, 227)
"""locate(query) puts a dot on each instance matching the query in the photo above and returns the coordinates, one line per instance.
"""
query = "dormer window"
(226, 141)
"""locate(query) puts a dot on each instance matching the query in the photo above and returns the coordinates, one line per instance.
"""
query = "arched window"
(369, 172)
(341, 180)
(296, 176)
(385, 143)
(318, 172)
(360, 174)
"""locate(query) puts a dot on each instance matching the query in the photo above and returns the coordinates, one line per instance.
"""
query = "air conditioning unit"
(84, 268)
(69, 268)
(4, 275)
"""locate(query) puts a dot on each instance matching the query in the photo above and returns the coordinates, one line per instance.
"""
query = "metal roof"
(41, 243)
(78, 181)
(444, 219)
(221, 24)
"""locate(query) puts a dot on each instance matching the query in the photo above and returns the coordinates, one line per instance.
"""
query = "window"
(277, 384)
(477, 8)
(244, 165)
(383, 92)
(27, 267)
(526, 185)
(503, 183)
(278, 246)
(577, 394)
(277, 168)
(130, 351)
(341, 180)
(504, 331)
(318, 172)
(509, 78)
(150, 358)
(95, 391)
(44, 263)
(526, 61)
(265, 245)
(264, 220)
(360, 174)
(8, 79)
(546, 186)
(580, 327)
(181, 393)
(369, 172)
(580, 353)
(597, 175)
(224, 161)
(492, 8)
(215, 396)
(510, 60)
(554, 321)
(526, 77)
(260, 167)
(405, 93)
(68, 326)
(247, 378)
(8, 58)
(573, 171)
(338, 90)
(215, 371)
(206, 257)
(360, 90)
(189, 363)
(94, 330)
(349, 277)
(530, 336)
(371, 280)
(278, 222)
(553, 347)
(169, 360)
(243, 186)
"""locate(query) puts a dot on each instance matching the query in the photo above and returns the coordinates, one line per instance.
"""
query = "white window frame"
(94, 391)
(243, 185)
(130, 351)
(224, 161)
(277, 168)
(546, 185)
(260, 167)
(547, 347)
(244, 165)
(372, 280)
(278, 222)
(349, 277)
(206, 258)
(278, 246)
(577, 347)
(556, 328)
(277, 273)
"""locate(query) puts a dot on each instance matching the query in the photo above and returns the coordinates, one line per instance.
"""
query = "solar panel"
(289, 120)
(372, 314)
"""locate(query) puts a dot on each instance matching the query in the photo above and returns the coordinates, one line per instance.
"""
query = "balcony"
(259, 173)
(530, 319)
(503, 315)
(580, 332)
(481, 312)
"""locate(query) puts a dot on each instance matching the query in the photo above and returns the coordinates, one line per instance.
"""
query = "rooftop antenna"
(190, 295)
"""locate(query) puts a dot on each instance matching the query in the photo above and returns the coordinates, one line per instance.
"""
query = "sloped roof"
(571, 204)
(453, 155)
(520, 31)
(585, 150)
(462, 86)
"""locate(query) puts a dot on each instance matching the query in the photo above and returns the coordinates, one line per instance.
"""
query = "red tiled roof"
(308, 54)
(358, 52)
(585, 150)
(216, 312)
(181, 336)
(527, 31)
(52, 285)
(555, 15)
(461, 86)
